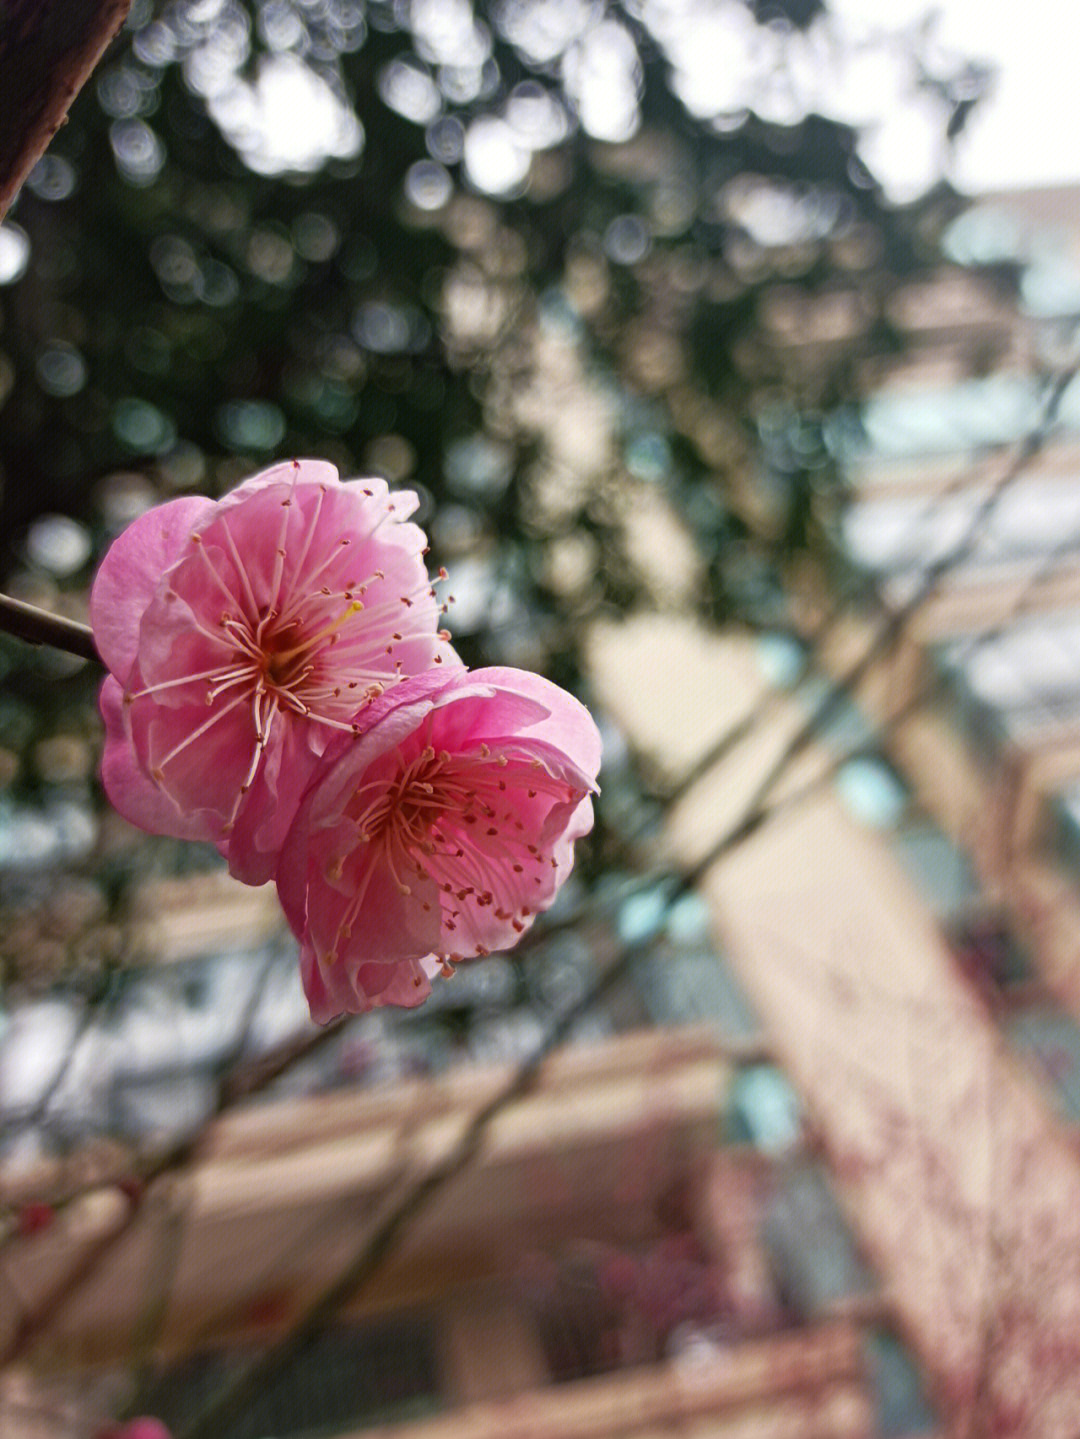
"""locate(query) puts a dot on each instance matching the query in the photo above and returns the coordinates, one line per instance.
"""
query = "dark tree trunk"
(47, 50)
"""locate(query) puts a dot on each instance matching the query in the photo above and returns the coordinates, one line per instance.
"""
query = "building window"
(349, 1378)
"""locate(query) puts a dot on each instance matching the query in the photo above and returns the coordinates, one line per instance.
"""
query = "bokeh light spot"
(445, 139)
(627, 240)
(536, 117)
(428, 185)
(315, 236)
(52, 178)
(14, 253)
(390, 329)
(495, 161)
(251, 425)
(58, 544)
(288, 119)
(142, 427)
(61, 370)
(139, 151)
(405, 86)
(478, 465)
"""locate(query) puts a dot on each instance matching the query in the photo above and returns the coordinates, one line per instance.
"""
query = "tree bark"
(39, 627)
(47, 50)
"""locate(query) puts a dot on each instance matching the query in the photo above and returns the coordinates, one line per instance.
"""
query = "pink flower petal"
(131, 572)
(405, 502)
(248, 635)
(330, 993)
(263, 822)
(287, 472)
(567, 726)
(132, 792)
(438, 834)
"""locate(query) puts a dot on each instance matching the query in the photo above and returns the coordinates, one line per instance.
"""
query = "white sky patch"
(289, 119)
(602, 75)
(494, 160)
(856, 65)
(1025, 134)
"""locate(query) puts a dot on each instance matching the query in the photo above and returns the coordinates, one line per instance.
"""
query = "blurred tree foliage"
(547, 260)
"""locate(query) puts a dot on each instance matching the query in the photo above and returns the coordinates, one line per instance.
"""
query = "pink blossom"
(436, 835)
(242, 636)
(142, 1428)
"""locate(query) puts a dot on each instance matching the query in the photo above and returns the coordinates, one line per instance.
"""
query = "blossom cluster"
(279, 685)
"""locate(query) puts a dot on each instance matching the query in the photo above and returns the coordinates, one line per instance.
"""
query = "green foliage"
(511, 257)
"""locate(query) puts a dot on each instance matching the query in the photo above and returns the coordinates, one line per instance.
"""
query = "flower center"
(282, 662)
(406, 811)
(281, 657)
(312, 633)
(464, 822)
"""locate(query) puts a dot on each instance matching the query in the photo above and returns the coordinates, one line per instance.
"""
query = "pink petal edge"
(302, 472)
(133, 793)
(568, 726)
(131, 572)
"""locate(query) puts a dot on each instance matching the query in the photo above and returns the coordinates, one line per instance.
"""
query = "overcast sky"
(1028, 133)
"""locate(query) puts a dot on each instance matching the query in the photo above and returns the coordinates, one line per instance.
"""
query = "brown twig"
(39, 627)
(236, 1393)
(242, 1084)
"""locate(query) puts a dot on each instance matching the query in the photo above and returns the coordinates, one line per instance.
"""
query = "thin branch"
(161, 1275)
(40, 627)
(894, 623)
(813, 640)
(236, 1394)
(888, 633)
(263, 1072)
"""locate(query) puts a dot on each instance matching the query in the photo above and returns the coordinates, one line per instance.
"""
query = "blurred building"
(875, 960)
(736, 1230)
(908, 923)
(993, 649)
(621, 1258)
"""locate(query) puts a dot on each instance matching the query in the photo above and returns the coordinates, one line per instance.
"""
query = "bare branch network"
(382, 1242)
(47, 50)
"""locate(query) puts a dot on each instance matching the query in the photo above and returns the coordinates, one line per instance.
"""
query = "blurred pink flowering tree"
(142, 1428)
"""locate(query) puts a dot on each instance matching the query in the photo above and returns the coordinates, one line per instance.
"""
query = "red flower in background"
(143, 1428)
